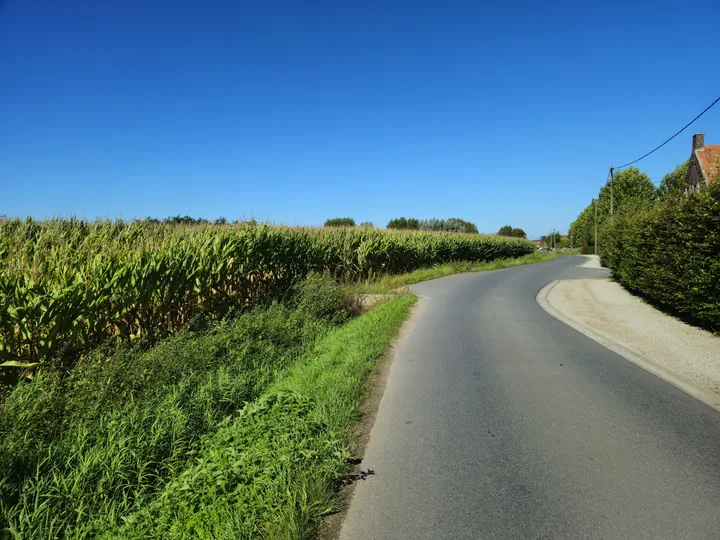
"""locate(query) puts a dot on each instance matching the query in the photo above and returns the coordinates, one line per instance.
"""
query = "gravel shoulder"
(677, 352)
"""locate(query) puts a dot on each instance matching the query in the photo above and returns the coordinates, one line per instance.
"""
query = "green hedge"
(671, 255)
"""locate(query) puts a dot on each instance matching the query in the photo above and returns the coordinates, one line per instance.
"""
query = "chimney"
(698, 141)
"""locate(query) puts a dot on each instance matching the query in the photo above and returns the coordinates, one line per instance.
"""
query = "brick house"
(704, 163)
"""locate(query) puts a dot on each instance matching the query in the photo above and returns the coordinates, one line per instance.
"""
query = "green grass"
(390, 283)
(81, 450)
(273, 472)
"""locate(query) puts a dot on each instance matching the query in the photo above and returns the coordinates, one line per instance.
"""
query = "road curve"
(500, 422)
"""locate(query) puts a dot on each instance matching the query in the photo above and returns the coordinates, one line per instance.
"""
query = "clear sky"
(495, 112)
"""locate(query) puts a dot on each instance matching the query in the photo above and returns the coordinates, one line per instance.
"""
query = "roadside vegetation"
(239, 431)
(186, 379)
(391, 283)
(661, 244)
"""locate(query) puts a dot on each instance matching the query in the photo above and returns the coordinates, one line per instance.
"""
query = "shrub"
(319, 295)
(670, 254)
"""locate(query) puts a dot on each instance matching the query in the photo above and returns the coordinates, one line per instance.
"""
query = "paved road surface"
(500, 422)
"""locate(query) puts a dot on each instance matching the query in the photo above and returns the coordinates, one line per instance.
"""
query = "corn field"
(69, 285)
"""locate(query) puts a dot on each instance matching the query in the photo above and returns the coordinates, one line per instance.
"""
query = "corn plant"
(67, 286)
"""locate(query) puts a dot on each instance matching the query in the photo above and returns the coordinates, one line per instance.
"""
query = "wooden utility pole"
(612, 178)
(595, 205)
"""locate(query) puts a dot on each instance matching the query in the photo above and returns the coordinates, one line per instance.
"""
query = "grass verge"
(273, 472)
(390, 283)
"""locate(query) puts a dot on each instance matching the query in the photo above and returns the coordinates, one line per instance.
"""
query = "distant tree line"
(186, 220)
(340, 222)
(434, 224)
(507, 230)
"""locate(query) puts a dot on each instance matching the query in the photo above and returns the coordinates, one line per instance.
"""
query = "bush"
(318, 295)
(670, 254)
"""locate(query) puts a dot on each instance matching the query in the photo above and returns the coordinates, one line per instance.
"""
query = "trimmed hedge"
(671, 254)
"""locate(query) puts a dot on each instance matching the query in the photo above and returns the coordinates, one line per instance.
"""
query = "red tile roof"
(709, 160)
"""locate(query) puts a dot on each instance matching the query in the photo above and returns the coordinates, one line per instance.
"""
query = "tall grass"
(97, 443)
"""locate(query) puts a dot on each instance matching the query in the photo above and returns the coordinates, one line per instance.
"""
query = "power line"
(671, 138)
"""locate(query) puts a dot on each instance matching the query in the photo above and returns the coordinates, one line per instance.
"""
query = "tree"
(564, 242)
(221, 221)
(367, 225)
(673, 184)
(459, 225)
(505, 230)
(340, 222)
(553, 239)
(185, 220)
(402, 223)
(434, 224)
(633, 191)
(397, 223)
(448, 225)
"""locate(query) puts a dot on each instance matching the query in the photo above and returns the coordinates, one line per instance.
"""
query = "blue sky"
(502, 112)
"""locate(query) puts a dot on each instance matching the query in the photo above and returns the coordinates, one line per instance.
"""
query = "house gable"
(704, 163)
(694, 177)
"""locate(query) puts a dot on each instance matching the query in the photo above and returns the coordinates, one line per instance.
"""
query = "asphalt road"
(498, 421)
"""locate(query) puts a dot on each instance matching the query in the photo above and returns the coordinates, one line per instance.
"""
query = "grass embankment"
(237, 432)
(390, 283)
(274, 471)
